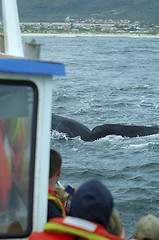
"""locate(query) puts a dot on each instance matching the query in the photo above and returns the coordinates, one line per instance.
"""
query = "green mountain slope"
(57, 10)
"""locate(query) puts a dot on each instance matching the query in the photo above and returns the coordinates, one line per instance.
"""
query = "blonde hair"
(114, 225)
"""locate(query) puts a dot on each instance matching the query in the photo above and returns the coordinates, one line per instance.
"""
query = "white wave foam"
(57, 135)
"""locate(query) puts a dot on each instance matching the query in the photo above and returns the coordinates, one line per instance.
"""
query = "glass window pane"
(18, 106)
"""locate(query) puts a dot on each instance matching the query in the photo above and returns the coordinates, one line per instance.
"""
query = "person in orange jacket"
(57, 197)
(55, 206)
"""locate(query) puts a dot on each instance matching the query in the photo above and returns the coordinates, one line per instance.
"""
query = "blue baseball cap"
(93, 202)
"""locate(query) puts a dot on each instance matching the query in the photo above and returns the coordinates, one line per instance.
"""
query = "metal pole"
(1, 43)
(12, 35)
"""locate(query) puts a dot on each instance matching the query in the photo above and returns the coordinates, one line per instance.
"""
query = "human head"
(93, 202)
(55, 163)
(114, 225)
(147, 228)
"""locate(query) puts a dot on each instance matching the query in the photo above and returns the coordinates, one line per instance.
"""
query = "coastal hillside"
(57, 11)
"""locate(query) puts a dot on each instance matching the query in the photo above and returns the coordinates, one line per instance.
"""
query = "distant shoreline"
(93, 34)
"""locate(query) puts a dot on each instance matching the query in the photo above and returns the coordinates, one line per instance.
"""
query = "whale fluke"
(123, 130)
(73, 129)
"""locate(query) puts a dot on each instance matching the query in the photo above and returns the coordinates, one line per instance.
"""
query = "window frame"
(34, 87)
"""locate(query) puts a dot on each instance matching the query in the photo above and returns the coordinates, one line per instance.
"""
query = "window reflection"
(16, 120)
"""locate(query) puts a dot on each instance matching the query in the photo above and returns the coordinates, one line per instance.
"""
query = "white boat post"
(12, 36)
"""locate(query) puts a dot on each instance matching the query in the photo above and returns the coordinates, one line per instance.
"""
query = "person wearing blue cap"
(90, 211)
(93, 202)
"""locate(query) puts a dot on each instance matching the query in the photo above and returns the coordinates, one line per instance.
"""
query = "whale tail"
(123, 130)
(73, 129)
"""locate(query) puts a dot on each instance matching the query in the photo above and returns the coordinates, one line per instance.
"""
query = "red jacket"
(68, 227)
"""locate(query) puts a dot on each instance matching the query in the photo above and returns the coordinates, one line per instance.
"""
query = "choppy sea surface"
(109, 80)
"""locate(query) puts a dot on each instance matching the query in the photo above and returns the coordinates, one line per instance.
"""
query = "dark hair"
(55, 162)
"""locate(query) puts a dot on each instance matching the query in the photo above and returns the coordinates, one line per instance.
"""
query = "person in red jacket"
(93, 202)
(55, 206)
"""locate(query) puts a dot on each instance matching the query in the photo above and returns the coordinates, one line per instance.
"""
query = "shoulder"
(53, 210)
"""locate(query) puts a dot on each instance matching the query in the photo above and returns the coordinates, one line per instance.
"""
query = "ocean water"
(109, 80)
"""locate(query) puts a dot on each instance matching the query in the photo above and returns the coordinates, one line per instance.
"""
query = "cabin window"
(18, 115)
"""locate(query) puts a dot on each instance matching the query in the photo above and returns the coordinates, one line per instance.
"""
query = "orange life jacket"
(68, 227)
(18, 137)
